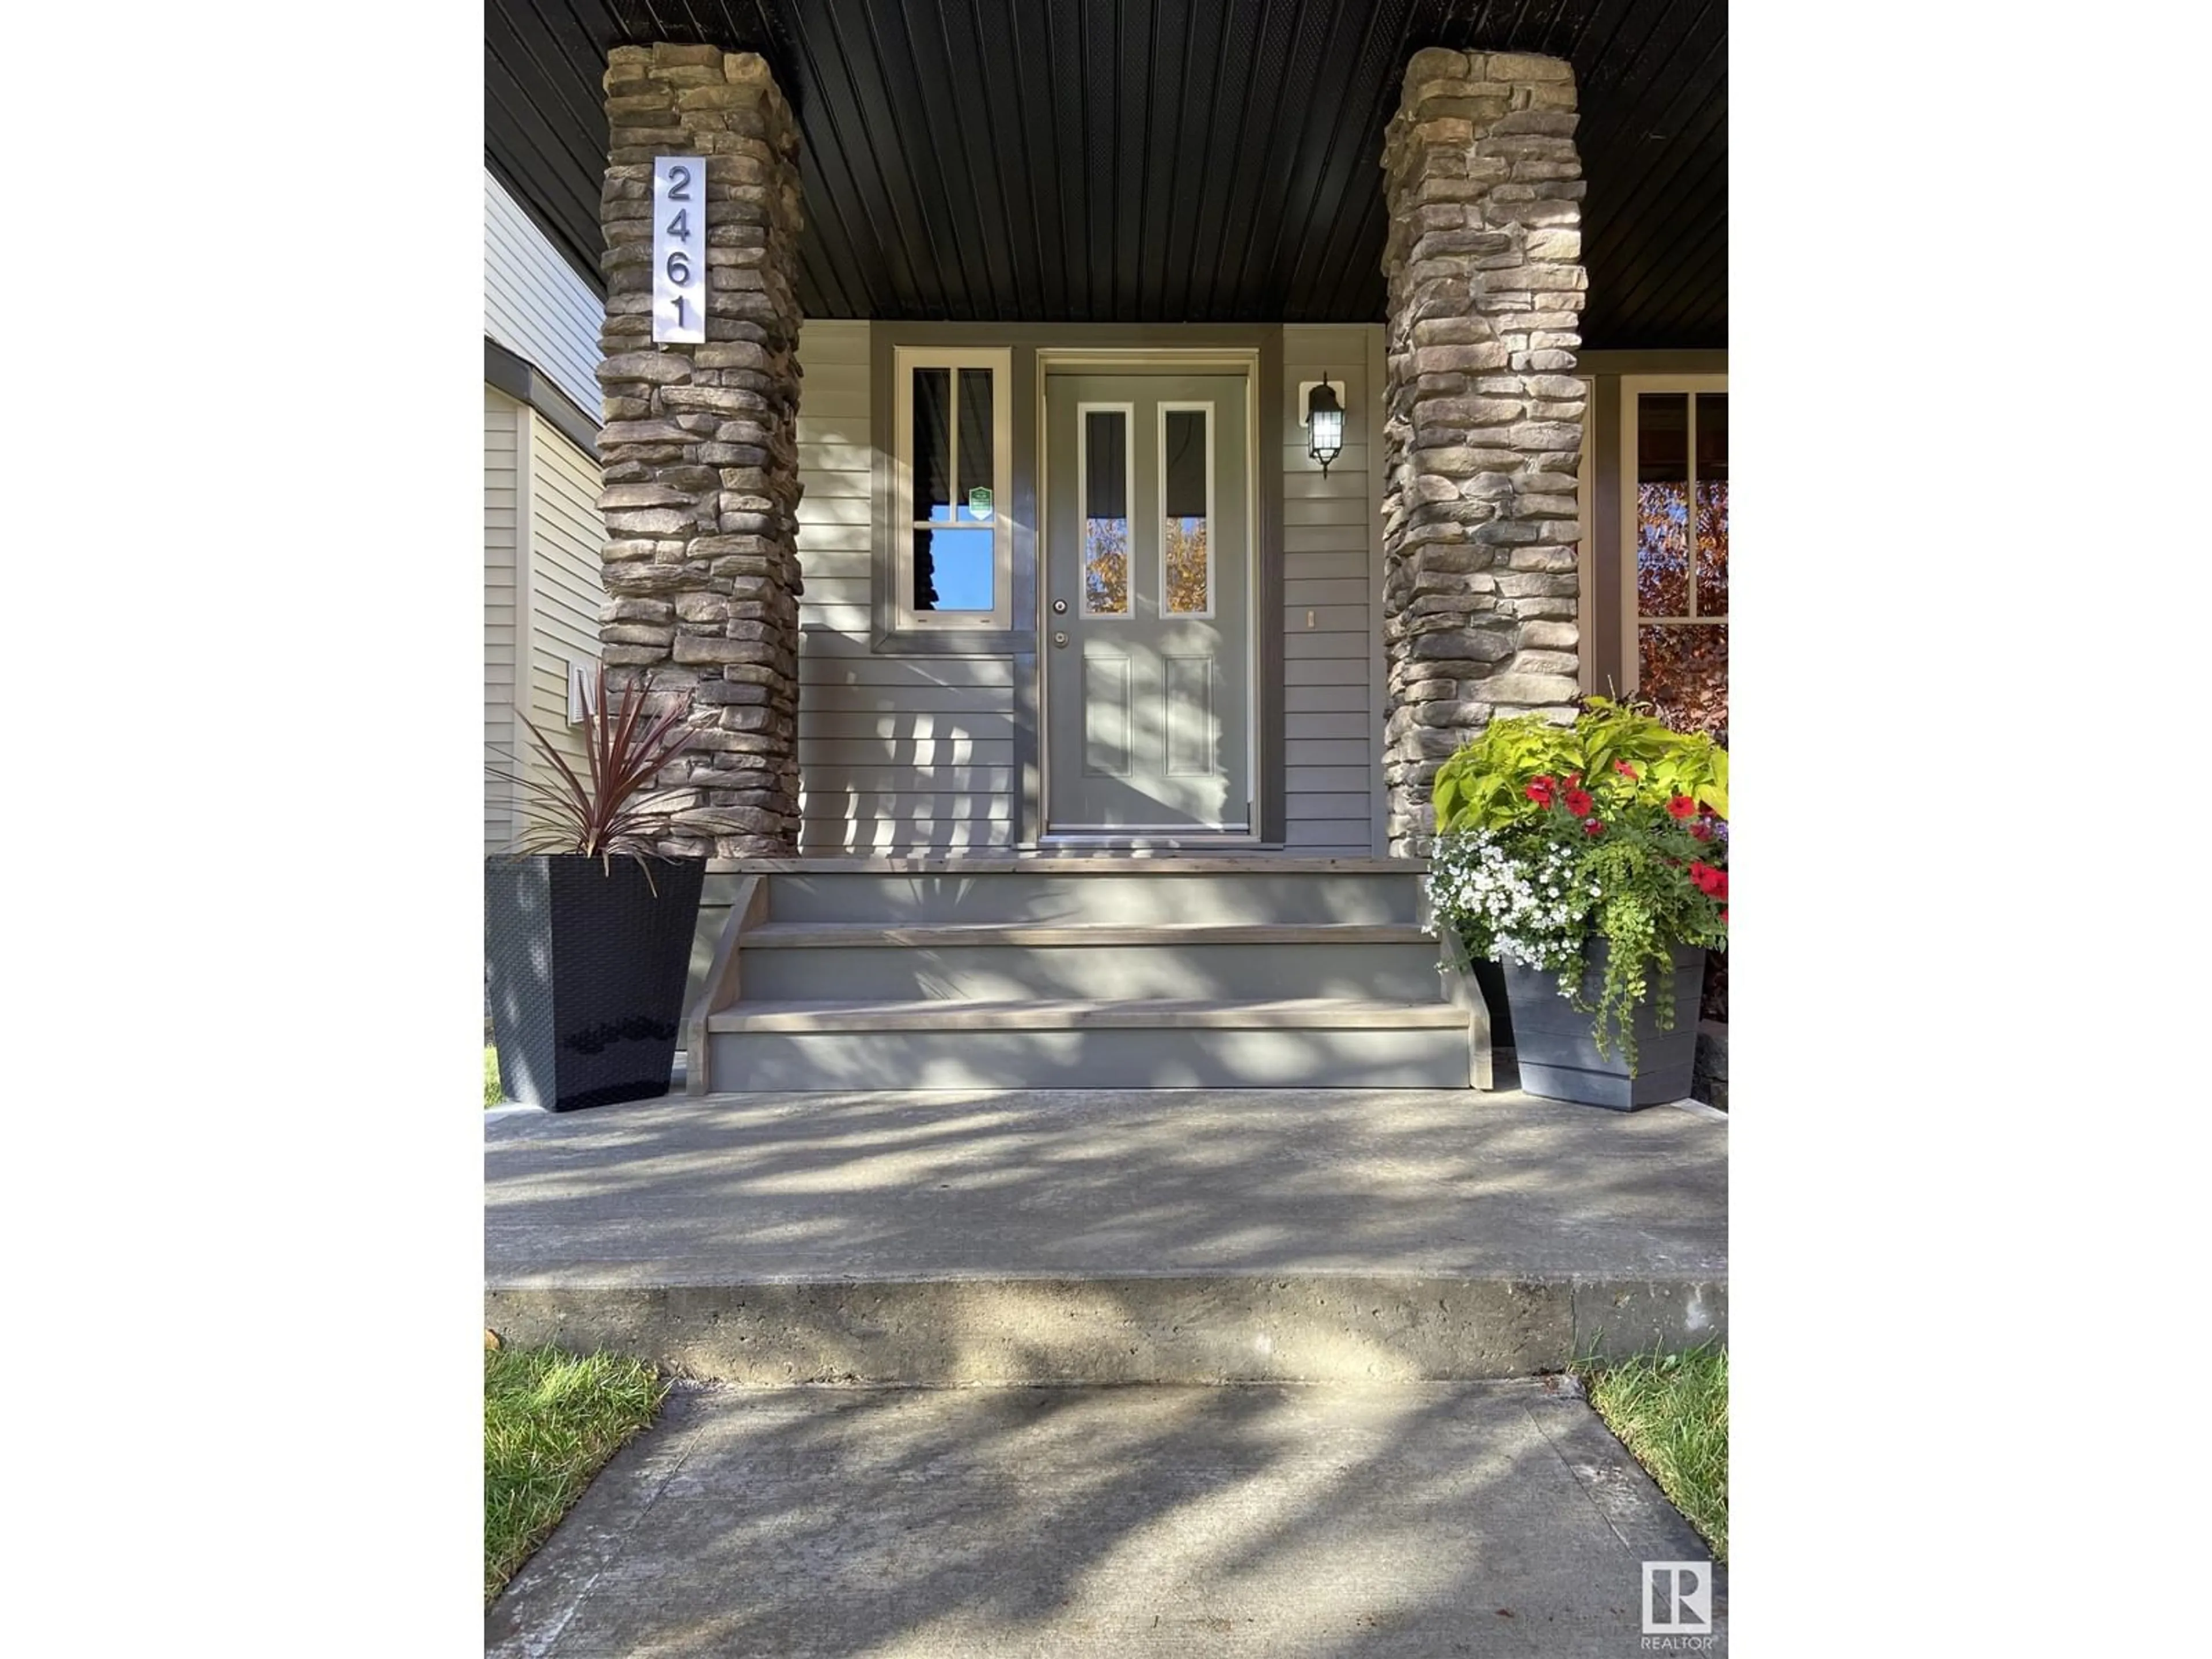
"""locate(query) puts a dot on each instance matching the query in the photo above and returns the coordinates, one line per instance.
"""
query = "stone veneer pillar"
(1482, 417)
(699, 444)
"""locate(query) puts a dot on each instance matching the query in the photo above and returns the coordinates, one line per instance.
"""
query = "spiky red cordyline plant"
(609, 809)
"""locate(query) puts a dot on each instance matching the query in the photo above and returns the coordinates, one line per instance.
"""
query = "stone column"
(700, 446)
(1482, 417)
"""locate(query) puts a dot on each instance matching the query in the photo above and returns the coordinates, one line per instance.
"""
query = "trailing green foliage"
(551, 1420)
(1671, 1410)
(494, 1095)
(1614, 828)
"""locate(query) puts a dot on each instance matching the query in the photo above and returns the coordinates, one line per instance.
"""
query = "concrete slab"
(1493, 1518)
(1090, 1235)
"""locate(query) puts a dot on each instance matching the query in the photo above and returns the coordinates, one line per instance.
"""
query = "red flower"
(1682, 807)
(1579, 802)
(1539, 790)
(1708, 879)
(1624, 769)
(1592, 827)
(1701, 831)
(1573, 778)
(1724, 916)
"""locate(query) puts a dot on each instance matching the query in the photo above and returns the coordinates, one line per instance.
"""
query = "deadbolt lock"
(1059, 638)
(1060, 607)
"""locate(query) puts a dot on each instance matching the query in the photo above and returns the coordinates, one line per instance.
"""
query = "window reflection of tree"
(925, 572)
(1683, 669)
(1106, 566)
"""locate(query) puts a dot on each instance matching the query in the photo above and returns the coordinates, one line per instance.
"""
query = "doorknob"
(1060, 607)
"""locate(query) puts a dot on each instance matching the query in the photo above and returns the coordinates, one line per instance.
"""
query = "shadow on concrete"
(1466, 1518)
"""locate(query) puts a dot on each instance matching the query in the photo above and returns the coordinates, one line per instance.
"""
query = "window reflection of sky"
(961, 570)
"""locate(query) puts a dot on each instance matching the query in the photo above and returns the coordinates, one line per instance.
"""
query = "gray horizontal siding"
(1331, 550)
(535, 304)
(895, 755)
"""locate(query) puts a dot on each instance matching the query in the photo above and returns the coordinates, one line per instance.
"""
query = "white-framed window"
(1674, 545)
(952, 468)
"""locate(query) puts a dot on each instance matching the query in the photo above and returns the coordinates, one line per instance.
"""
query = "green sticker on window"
(979, 502)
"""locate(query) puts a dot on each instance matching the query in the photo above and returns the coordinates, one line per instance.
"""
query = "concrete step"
(1023, 1042)
(997, 960)
(1065, 891)
(1027, 1237)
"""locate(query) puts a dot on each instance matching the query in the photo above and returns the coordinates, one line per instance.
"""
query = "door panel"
(1147, 652)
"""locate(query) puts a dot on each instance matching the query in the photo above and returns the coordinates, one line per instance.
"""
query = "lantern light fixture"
(1324, 424)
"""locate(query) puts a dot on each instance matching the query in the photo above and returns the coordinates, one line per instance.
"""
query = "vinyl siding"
(502, 416)
(1332, 563)
(895, 754)
(565, 531)
(535, 304)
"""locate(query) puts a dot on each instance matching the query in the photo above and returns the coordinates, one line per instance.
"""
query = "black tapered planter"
(1556, 1044)
(588, 963)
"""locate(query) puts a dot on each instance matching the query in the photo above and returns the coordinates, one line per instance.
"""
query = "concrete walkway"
(1486, 1518)
(1096, 1236)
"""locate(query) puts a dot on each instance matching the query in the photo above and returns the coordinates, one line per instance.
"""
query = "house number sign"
(679, 248)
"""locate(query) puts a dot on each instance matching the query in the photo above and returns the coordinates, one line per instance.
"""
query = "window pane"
(977, 471)
(1685, 671)
(953, 569)
(1105, 512)
(1183, 489)
(933, 443)
(1662, 505)
(1712, 504)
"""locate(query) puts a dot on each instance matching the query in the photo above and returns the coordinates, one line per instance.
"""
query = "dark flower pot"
(1556, 1043)
(587, 963)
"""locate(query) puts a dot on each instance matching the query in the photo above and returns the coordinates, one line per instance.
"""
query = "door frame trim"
(1155, 359)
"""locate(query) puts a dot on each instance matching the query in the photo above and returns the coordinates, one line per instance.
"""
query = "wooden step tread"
(1066, 1014)
(818, 935)
(1100, 863)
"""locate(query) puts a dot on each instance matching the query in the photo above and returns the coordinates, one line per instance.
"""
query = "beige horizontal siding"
(565, 531)
(501, 452)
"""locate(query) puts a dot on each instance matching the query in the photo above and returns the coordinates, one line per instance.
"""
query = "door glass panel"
(1712, 504)
(1683, 669)
(932, 445)
(976, 449)
(953, 569)
(1105, 488)
(1662, 505)
(1184, 464)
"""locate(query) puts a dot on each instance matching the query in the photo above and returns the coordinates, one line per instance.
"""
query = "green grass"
(492, 1095)
(551, 1420)
(1671, 1410)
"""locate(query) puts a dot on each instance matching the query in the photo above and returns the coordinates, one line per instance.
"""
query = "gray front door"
(1146, 648)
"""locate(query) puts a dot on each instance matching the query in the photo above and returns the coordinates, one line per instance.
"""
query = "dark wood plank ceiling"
(1129, 160)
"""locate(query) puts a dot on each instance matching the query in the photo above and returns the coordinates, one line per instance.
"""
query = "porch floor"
(1176, 1235)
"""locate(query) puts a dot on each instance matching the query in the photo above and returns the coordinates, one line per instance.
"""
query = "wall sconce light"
(1324, 425)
